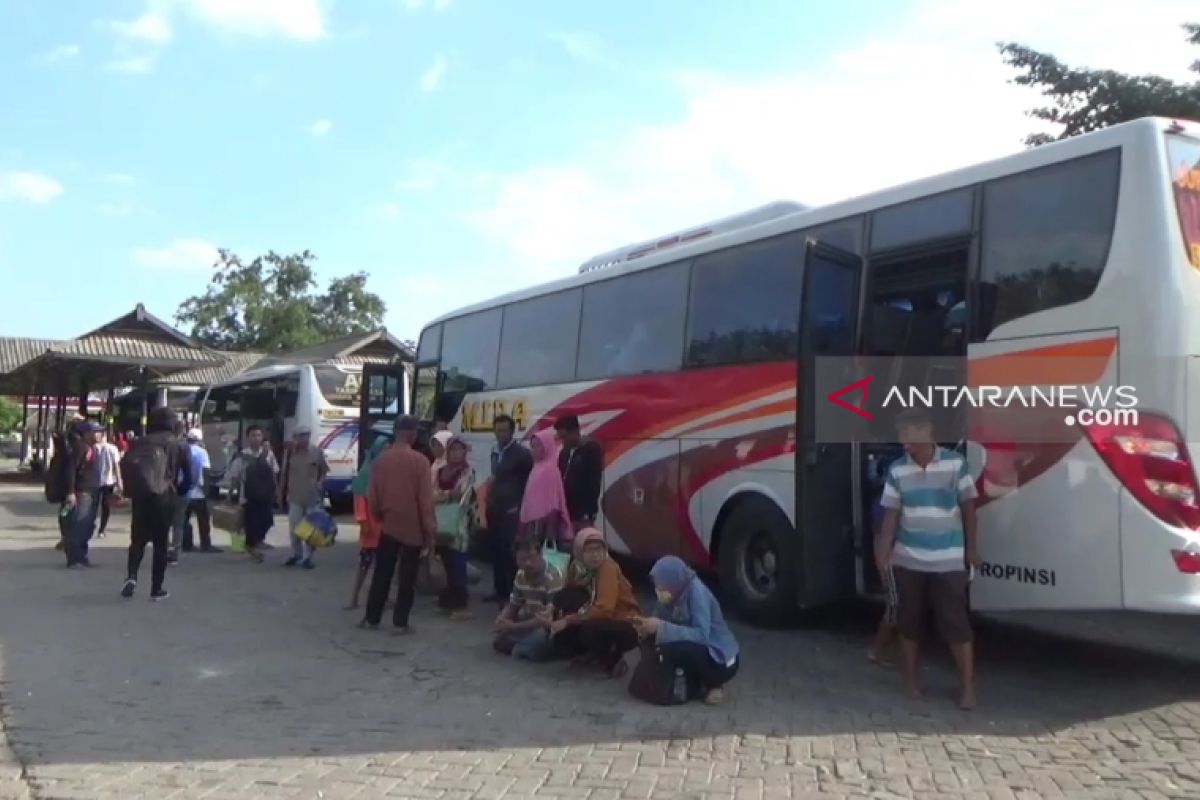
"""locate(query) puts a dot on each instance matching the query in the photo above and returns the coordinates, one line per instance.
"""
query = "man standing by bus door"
(303, 490)
(929, 498)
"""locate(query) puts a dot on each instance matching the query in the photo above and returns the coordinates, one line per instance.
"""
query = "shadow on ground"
(252, 662)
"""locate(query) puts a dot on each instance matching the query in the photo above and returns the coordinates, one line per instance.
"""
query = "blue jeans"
(532, 645)
(83, 524)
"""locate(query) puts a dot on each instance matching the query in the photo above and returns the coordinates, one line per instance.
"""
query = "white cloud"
(134, 65)
(178, 255)
(64, 52)
(303, 20)
(431, 78)
(321, 127)
(120, 178)
(29, 187)
(153, 26)
(926, 96)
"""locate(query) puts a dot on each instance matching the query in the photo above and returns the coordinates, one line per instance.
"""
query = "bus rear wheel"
(758, 562)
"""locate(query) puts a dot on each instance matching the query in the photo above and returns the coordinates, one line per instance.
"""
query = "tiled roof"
(15, 351)
(234, 365)
(152, 352)
(377, 343)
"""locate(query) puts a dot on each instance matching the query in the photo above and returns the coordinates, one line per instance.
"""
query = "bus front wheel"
(758, 561)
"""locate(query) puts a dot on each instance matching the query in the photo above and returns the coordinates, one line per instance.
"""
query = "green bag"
(556, 558)
(449, 522)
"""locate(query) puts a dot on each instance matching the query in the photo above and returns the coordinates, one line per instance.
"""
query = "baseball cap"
(302, 430)
(90, 426)
(196, 435)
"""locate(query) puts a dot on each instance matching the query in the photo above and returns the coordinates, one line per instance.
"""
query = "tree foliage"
(272, 304)
(10, 415)
(1083, 100)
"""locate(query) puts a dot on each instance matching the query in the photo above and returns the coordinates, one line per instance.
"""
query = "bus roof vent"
(746, 219)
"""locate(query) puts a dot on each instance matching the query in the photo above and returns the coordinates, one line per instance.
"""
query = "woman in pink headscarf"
(544, 507)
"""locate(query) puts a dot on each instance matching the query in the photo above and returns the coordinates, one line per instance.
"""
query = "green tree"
(10, 415)
(272, 304)
(1083, 100)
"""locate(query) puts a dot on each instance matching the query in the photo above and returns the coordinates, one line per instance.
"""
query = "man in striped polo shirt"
(927, 539)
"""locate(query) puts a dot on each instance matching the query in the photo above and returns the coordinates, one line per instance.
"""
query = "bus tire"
(759, 563)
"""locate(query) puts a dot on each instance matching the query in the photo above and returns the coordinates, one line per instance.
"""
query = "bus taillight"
(1151, 460)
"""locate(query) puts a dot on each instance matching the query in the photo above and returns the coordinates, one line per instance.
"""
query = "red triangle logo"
(859, 386)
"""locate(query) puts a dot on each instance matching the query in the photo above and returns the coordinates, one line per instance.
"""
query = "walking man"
(197, 501)
(303, 490)
(155, 472)
(110, 479)
(83, 493)
(929, 499)
(254, 475)
(511, 464)
(581, 463)
(400, 496)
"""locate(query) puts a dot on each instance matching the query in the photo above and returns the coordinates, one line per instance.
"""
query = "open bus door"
(383, 399)
(824, 491)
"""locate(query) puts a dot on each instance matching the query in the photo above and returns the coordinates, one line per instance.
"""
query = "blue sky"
(457, 148)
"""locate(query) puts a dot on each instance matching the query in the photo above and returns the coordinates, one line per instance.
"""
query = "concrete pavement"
(252, 682)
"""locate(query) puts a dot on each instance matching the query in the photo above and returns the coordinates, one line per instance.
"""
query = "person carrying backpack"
(254, 473)
(82, 492)
(156, 475)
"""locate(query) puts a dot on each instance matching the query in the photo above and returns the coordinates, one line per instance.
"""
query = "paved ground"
(251, 682)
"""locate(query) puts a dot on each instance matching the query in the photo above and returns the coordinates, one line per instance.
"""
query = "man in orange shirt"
(400, 498)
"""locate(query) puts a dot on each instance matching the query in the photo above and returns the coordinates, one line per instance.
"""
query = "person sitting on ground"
(454, 499)
(368, 527)
(689, 630)
(601, 632)
(523, 627)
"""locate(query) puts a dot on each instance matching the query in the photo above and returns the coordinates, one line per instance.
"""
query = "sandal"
(618, 670)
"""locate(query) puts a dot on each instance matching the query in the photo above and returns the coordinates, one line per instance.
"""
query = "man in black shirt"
(83, 492)
(581, 463)
(511, 464)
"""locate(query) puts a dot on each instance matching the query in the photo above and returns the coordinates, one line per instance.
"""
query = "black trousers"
(199, 507)
(702, 671)
(151, 525)
(106, 499)
(502, 532)
(404, 560)
(606, 639)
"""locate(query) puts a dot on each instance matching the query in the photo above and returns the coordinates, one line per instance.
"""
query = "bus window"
(939, 217)
(470, 347)
(430, 347)
(339, 387)
(745, 303)
(425, 393)
(1046, 234)
(633, 324)
(538, 342)
(1184, 156)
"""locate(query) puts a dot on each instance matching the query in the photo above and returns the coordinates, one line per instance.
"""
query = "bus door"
(824, 494)
(381, 402)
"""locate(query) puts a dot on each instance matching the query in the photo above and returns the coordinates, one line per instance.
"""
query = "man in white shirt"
(109, 458)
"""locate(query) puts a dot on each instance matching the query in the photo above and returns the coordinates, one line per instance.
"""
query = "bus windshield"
(338, 387)
(1184, 157)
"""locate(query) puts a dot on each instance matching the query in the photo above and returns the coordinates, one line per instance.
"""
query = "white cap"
(196, 435)
(302, 430)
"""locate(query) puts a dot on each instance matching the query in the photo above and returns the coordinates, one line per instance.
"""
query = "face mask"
(664, 596)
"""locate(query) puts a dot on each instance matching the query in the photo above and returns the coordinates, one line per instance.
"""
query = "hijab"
(443, 438)
(671, 579)
(363, 479)
(583, 572)
(449, 474)
(544, 494)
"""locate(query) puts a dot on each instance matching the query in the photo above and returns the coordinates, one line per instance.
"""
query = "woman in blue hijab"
(690, 631)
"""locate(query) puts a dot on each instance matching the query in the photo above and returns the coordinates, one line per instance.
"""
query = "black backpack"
(58, 470)
(146, 469)
(656, 681)
(258, 481)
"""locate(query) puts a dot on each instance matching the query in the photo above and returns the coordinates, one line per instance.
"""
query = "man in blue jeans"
(83, 494)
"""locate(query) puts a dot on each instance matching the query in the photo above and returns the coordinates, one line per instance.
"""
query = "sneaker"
(211, 549)
(291, 562)
(85, 562)
(715, 697)
(101, 535)
(308, 564)
(161, 594)
(128, 589)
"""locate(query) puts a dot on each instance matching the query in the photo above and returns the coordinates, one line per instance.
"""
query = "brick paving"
(252, 682)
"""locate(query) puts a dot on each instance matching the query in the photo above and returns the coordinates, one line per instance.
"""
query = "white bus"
(689, 359)
(278, 398)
